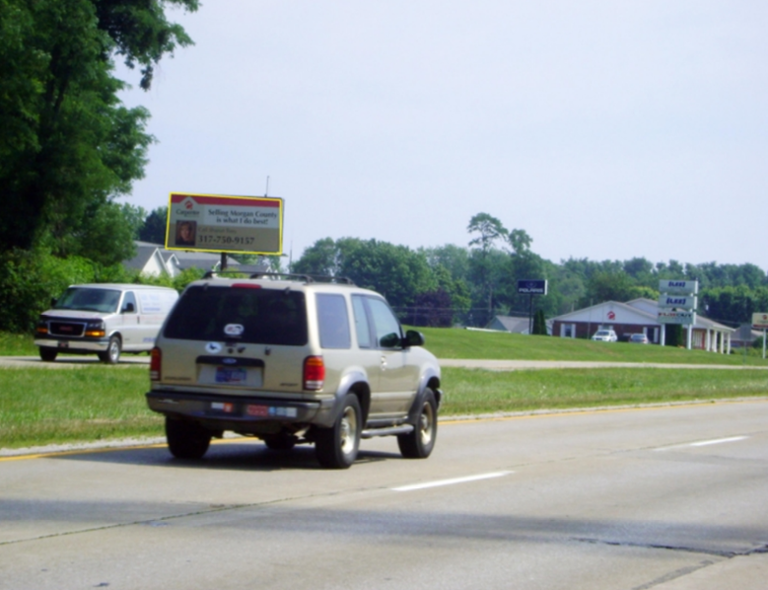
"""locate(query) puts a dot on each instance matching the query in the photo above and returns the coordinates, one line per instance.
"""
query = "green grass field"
(95, 402)
(456, 343)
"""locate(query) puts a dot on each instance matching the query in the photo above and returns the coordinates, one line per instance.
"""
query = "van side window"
(129, 303)
(333, 321)
(362, 329)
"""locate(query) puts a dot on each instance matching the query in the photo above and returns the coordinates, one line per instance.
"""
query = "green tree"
(69, 146)
(319, 259)
(153, 230)
(484, 261)
(488, 230)
(397, 272)
(539, 323)
(608, 286)
(520, 242)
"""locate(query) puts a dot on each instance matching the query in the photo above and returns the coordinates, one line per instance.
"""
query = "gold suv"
(292, 359)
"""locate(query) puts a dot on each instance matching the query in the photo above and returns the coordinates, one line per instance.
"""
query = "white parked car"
(605, 335)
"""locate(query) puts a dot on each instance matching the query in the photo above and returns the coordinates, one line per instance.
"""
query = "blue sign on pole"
(532, 286)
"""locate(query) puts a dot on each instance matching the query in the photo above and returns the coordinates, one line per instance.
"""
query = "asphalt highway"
(668, 498)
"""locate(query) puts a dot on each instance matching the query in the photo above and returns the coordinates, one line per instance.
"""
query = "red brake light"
(155, 364)
(314, 373)
(245, 286)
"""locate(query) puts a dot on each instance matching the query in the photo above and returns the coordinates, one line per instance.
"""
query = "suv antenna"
(266, 191)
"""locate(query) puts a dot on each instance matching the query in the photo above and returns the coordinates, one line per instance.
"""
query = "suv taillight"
(314, 373)
(155, 362)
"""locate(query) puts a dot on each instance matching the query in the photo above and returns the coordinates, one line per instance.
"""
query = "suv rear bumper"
(238, 412)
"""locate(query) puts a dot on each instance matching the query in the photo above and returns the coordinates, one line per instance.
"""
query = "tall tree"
(487, 230)
(69, 146)
(154, 227)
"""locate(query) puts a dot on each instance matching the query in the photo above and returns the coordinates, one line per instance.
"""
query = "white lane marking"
(717, 441)
(449, 482)
(704, 443)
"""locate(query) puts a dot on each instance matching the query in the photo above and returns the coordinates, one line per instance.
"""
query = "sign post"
(531, 287)
(677, 305)
(760, 322)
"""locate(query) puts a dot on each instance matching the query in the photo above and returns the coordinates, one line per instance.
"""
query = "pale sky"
(606, 129)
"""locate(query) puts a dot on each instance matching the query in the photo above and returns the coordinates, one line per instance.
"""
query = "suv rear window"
(255, 316)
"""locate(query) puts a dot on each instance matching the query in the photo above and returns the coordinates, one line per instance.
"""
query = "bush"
(29, 279)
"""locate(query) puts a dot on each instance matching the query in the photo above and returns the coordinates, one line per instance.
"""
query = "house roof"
(511, 324)
(144, 251)
(610, 312)
(179, 259)
(637, 311)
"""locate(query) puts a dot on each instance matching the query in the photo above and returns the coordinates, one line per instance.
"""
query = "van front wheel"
(112, 354)
(48, 354)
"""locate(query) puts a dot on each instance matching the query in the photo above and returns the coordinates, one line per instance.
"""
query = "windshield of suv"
(255, 316)
(85, 299)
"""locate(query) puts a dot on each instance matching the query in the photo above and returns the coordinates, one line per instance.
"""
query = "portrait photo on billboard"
(185, 233)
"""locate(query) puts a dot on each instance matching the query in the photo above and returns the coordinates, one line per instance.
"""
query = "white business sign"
(686, 318)
(760, 321)
(677, 302)
(679, 287)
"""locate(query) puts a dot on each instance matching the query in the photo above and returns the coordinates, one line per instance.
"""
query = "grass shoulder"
(457, 343)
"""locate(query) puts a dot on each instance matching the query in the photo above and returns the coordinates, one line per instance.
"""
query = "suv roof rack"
(307, 278)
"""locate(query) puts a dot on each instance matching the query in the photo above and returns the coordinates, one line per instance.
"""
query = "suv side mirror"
(390, 340)
(414, 338)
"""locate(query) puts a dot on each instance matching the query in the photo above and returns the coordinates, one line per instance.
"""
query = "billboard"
(760, 321)
(677, 301)
(686, 318)
(218, 223)
(679, 287)
(532, 287)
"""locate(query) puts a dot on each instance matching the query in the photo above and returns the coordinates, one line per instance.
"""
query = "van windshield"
(255, 316)
(87, 299)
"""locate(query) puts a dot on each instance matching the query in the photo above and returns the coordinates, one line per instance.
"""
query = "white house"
(638, 315)
(154, 260)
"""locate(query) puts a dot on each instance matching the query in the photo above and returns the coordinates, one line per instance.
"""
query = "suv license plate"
(231, 375)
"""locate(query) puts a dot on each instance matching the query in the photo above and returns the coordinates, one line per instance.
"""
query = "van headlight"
(95, 329)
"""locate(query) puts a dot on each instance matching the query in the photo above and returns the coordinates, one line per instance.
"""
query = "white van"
(104, 318)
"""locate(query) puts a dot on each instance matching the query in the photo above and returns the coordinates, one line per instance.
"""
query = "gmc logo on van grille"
(67, 329)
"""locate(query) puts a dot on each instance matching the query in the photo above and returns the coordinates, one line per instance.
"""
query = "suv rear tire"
(419, 443)
(336, 447)
(186, 440)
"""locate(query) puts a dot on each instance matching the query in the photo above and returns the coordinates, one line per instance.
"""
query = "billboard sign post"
(218, 223)
(760, 322)
(677, 305)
